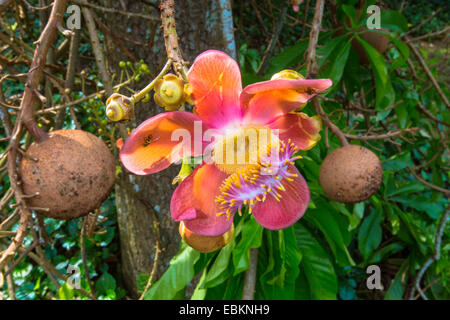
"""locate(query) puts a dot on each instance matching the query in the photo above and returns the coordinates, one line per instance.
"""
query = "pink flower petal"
(215, 80)
(161, 141)
(300, 128)
(194, 202)
(265, 101)
(276, 215)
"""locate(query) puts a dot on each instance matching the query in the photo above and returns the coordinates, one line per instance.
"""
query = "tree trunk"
(143, 201)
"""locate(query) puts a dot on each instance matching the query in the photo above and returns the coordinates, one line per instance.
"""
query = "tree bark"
(143, 201)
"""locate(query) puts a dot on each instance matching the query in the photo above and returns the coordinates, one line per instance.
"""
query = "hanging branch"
(26, 117)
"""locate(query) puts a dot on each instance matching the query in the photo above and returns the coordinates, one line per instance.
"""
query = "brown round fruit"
(73, 175)
(204, 243)
(350, 174)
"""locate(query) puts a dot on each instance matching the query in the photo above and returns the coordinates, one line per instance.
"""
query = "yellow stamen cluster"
(250, 185)
(243, 149)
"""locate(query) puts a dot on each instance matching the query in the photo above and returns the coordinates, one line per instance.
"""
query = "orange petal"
(300, 128)
(194, 202)
(265, 101)
(215, 81)
(162, 140)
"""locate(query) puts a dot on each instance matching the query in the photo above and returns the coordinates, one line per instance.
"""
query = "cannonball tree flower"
(273, 190)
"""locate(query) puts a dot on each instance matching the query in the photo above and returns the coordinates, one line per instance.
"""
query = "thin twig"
(430, 115)
(387, 135)
(115, 11)
(436, 256)
(432, 34)
(427, 71)
(429, 184)
(153, 272)
(276, 34)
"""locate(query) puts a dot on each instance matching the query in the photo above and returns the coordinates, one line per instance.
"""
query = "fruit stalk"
(336, 131)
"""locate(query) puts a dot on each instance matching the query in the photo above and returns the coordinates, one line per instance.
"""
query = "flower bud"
(169, 92)
(288, 74)
(146, 98)
(119, 107)
(204, 243)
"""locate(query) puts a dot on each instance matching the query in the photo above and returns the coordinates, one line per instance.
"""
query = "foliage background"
(325, 254)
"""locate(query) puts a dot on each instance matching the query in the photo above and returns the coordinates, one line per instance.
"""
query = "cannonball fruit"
(73, 174)
(204, 243)
(350, 174)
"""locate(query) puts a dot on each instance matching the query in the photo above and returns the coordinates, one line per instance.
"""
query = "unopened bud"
(204, 243)
(119, 107)
(169, 92)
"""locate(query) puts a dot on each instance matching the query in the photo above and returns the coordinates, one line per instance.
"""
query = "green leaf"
(385, 252)
(200, 290)
(340, 60)
(369, 236)
(104, 283)
(406, 188)
(287, 57)
(350, 12)
(385, 95)
(176, 277)
(421, 203)
(279, 257)
(397, 287)
(393, 20)
(353, 219)
(401, 46)
(330, 47)
(65, 292)
(219, 270)
(317, 265)
(397, 162)
(251, 238)
(402, 115)
(302, 290)
(334, 228)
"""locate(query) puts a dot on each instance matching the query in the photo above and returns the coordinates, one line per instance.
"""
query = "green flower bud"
(119, 107)
(169, 92)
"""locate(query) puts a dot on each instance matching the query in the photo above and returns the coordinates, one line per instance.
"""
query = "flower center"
(244, 148)
(248, 185)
